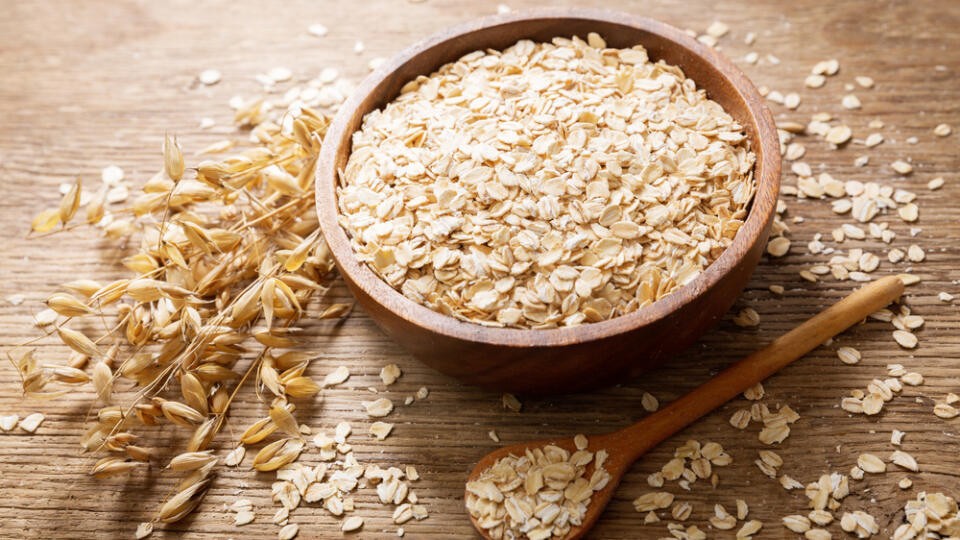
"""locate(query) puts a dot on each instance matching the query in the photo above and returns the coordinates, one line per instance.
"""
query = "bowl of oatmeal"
(549, 201)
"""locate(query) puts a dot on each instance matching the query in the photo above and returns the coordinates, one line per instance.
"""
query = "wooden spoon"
(628, 444)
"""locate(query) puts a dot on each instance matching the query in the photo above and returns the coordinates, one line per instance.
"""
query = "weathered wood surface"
(89, 84)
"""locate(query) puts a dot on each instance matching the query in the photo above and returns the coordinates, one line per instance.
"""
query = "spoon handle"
(638, 438)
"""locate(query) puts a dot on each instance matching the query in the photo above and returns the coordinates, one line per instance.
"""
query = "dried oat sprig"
(228, 259)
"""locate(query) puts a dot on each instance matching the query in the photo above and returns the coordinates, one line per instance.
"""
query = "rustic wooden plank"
(90, 84)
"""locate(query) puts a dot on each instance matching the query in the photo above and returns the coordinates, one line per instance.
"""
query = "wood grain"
(95, 83)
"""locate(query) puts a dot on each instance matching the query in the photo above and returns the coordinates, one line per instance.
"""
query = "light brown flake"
(905, 339)
(9, 422)
(352, 523)
(848, 355)
(389, 374)
(871, 463)
(378, 408)
(749, 528)
(287, 532)
(901, 167)
(337, 376)
(850, 101)
(944, 410)
(779, 246)
(912, 378)
(905, 460)
(380, 430)
(31, 422)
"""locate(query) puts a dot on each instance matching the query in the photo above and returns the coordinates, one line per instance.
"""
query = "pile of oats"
(550, 184)
(539, 495)
(929, 516)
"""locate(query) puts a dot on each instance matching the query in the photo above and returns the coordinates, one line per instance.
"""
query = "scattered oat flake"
(838, 134)
(740, 419)
(909, 279)
(942, 130)
(288, 531)
(15, 299)
(380, 430)
(865, 82)
(718, 29)
(945, 296)
(749, 528)
(511, 402)
(747, 318)
(754, 393)
(943, 410)
(848, 355)
(873, 139)
(279, 74)
(905, 339)
(850, 101)
(915, 253)
(378, 408)
(45, 317)
(243, 517)
(422, 392)
(235, 456)
(796, 523)
(31, 422)
(649, 402)
(375, 63)
(209, 77)
(912, 378)
(826, 67)
(909, 212)
(337, 376)
(901, 167)
(896, 437)
(351, 524)
(905, 460)
(791, 100)
(778, 247)
(8, 422)
(111, 175)
(493, 436)
(389, 374)
(814, 81)
(318, 30)
(871, 463)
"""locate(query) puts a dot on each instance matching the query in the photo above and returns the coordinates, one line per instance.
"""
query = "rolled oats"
(541, 494)
(478, 205)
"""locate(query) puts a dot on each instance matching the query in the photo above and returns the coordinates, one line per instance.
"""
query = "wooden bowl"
(572, 358)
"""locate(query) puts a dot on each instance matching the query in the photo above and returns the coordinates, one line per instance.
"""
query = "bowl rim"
(763, 205)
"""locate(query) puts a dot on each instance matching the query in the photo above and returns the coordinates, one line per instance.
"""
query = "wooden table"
(90, 84)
